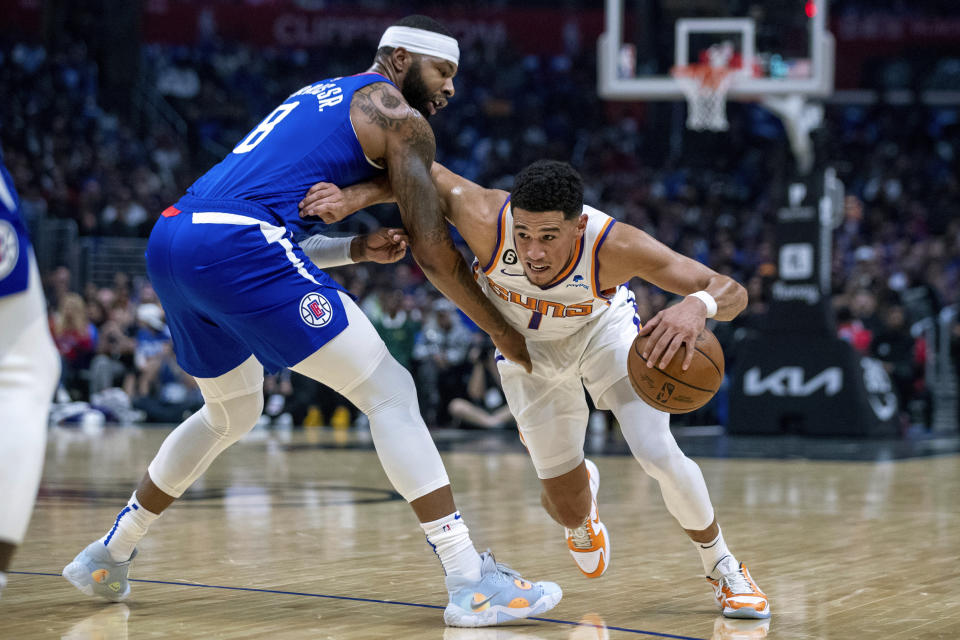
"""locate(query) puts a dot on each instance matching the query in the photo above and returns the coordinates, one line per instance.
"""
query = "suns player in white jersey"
(555, 268)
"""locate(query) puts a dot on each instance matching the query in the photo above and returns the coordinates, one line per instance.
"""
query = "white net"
(705, 88)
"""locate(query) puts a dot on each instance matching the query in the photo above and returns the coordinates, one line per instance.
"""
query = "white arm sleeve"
(327, 252)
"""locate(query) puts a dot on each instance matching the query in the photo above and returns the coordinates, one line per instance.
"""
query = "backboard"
(782, 47)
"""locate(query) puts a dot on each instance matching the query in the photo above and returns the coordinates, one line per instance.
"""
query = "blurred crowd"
(896, 259)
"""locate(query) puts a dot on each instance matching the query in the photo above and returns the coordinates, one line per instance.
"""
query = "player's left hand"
(324, 200)
(382, 246)
(668, 330)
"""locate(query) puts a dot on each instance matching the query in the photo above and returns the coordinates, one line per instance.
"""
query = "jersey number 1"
(257, 135)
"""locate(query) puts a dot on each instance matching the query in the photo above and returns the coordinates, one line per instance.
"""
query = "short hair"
(549, 185)
(416, 21)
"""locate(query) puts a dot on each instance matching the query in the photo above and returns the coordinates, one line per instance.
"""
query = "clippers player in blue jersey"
(242, 294)
(29, 370)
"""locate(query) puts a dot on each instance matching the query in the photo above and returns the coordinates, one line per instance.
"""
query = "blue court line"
(654, 634)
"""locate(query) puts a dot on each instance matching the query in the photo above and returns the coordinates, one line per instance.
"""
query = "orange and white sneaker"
(739, 596)
(589, 543)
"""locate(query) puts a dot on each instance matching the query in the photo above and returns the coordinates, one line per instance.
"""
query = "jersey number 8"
(257, 135)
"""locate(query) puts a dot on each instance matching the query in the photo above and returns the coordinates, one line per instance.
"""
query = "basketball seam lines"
(704, 354)
(678, 379)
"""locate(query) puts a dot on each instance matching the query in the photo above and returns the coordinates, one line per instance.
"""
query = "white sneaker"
(739, 596)
(589, 543)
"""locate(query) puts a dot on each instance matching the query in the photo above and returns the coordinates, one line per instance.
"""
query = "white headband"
(422, 41)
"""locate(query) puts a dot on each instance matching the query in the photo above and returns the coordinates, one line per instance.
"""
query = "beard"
(415, 90)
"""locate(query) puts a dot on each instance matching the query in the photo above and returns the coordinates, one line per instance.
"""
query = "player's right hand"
(513, 347)
(383, 246)
(325, 201)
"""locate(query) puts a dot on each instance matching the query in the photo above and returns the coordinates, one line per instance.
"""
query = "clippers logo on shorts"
(315, 310)
(9, 248)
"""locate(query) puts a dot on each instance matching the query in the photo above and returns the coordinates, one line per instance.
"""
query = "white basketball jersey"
(560, 308)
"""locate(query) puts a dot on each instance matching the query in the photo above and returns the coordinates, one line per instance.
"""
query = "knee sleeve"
(647, 432)
(233, 403)
(389, 398)
(357, 365)
(406, 450)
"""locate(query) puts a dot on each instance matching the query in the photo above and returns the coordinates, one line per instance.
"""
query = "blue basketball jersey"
(14, 244)
(307, 139)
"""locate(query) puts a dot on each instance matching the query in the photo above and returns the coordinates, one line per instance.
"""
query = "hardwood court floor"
(305, 539)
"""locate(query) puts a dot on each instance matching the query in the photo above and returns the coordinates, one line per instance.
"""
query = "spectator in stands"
(852, 330)
(397, 327)
(58, 286)
(277, 392)
(75, 338)
(897, 349)
(483, 405)
(863, 307)
(441, 355)
(113, 364)
(163, 390)
(124, 216)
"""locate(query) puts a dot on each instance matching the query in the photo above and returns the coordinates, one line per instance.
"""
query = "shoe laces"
(503, 569)
(737, 582)
(581, 535)
(513, 574)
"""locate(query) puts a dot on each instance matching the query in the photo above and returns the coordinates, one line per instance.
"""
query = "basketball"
(672, 389)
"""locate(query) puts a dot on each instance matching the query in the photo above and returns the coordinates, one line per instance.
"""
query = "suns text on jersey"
(543, 307)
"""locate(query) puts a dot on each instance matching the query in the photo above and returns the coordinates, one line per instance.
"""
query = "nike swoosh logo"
(477, 605)
(507, 273)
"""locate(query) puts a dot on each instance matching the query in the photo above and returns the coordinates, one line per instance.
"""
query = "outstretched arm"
(462, 202)
(331, 204)
(409, 148)
(629, 252)
(472, 209)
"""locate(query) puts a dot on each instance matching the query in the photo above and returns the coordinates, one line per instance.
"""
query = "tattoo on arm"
(417, 196)
(382, 106)
(410, 151)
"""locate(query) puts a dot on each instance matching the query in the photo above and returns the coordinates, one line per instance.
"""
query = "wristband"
(326, 252)
(708, 300)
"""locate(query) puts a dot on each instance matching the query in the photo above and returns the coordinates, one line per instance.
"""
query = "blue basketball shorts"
(234, 283)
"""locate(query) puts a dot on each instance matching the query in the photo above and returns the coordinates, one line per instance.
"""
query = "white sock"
(717, 559)
(3, 580)
(131, 525)
(450, 539)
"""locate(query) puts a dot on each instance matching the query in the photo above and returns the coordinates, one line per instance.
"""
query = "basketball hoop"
(705, 87)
